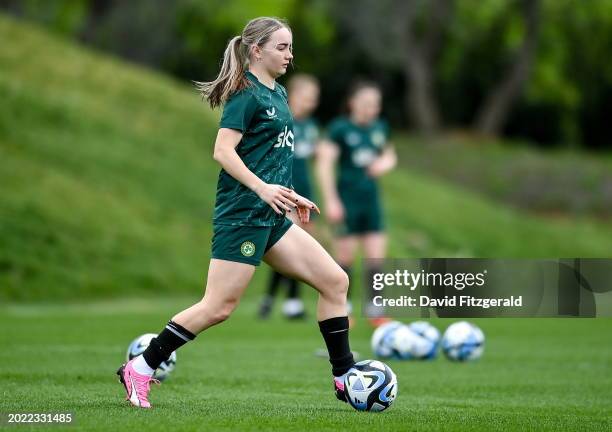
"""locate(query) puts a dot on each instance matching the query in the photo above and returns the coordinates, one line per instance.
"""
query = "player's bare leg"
(375, 248)
(299, 255)
(226, 283)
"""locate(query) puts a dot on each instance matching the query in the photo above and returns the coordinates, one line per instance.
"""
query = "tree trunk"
(97, 9)
(419, 54)
(419, 95)
(494, 112)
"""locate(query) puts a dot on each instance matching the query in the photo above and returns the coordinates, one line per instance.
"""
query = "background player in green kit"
(358, 144)
(254, 147)
(303, 99)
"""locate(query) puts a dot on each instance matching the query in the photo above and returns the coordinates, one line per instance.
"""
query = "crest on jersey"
(352, 139)
(378, 138)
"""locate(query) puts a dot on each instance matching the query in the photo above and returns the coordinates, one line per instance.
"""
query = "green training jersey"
(266, 148)
(306, 134)
(359, 146)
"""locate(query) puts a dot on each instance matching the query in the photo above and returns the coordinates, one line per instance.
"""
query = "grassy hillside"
(108, 184)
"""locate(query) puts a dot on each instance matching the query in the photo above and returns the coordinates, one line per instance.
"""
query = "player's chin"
(282, 70)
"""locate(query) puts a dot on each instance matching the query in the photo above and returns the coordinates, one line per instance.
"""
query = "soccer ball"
(140, 344)
(406, 344)
(382, 339)
(370, 385)
(395, 340)
(426, 347)
(463, 341)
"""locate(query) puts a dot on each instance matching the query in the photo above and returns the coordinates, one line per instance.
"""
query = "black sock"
(348, 269)
(170, 339)
(294, 289)
(335, 333)
(275, 280)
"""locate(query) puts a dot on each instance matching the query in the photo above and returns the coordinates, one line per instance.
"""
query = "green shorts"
(361, 216)
(246, 244)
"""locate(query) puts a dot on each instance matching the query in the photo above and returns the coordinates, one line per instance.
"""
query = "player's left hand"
(304, 206)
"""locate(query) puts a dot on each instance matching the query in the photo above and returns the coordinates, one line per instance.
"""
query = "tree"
(405, 35)
(494, 111)
(410, 35)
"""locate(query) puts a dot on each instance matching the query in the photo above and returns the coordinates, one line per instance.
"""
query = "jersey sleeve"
(385, 128)
(335, 132)
(314, 132)
(283, 92)
(238, 111)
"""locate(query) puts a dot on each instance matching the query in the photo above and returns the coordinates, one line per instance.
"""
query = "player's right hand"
(278, 197)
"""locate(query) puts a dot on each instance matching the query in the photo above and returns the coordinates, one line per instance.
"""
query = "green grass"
(560, 182)
(537, 374)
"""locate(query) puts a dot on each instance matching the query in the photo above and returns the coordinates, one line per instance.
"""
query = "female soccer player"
(254, 147)
(359, 142)
(303, 99)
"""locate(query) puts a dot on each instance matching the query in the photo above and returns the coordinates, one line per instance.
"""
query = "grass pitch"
(536, 374)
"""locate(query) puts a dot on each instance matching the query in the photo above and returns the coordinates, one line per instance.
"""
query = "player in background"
(254, 147)
(358, 147)
(303, 92)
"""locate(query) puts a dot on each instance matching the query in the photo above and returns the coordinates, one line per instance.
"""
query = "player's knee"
(338, 285)
(225, 311)
(218, 313)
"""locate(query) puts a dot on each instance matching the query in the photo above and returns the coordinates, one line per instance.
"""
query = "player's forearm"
(234, 166)
(386, 162)
(325, 174)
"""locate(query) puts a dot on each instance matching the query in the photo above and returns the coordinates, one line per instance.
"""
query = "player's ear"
(256, 52)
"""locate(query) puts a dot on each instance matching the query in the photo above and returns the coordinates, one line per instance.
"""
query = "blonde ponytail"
(232, 77)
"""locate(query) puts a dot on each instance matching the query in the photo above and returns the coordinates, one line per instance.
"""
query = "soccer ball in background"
(395, 340)
(427, 347)
(140, 344)
(370, 385)
(463, 341)
(382, 339)
(405, 344)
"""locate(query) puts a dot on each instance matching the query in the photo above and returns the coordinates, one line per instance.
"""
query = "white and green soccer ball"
(463, 341)
(140, 344)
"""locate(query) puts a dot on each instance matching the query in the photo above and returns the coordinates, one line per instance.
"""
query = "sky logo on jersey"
(285, 139)
(271, 113)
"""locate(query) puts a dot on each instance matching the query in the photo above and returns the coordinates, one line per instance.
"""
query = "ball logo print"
(247, 248)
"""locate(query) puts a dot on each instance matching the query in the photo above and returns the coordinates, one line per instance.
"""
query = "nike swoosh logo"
(339, 331)
(133, 395)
